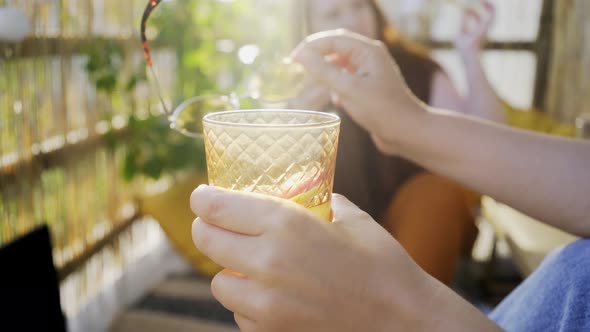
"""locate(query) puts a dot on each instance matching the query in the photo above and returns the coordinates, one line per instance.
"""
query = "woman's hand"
(474, 29)
(314, 97)
(366, 81)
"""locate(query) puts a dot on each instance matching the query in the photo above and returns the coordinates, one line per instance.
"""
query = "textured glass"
(283, 153)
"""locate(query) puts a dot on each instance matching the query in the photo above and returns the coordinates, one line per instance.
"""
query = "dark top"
(367, 177)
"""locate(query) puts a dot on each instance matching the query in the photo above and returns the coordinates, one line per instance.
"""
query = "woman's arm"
(444, 94)
(482, 100)
(543, 176)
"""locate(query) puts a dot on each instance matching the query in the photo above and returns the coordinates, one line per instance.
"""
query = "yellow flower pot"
(171, 208)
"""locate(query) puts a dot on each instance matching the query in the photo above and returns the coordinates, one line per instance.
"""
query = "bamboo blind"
(54, 166)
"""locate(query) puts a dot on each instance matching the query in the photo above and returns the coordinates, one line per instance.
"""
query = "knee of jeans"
(572, 260)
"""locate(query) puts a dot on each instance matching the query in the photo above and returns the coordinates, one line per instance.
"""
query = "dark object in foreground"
(29, 289)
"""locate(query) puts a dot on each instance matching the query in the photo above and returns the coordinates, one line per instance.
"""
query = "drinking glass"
(289, 154)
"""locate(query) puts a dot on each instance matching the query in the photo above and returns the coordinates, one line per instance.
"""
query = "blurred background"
(85, 150)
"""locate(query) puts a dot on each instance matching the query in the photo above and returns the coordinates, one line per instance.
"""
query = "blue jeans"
(556, 297)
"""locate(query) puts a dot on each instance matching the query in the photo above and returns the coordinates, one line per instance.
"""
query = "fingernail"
(201, 198)
(300, 56)
(202, 190)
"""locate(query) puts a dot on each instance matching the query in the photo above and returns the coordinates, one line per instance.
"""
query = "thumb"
(347, 213)
(336, 78)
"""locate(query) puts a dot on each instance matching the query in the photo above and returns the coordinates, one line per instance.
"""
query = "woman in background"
(481, 94)
(429, 215)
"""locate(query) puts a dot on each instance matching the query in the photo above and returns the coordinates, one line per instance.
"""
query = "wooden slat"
(149, 321)
(544, 50)
(46, 160)
(30, 47)
(70, 267)
(67, 46)
(567, 95)
(490, 46)
(63, 46)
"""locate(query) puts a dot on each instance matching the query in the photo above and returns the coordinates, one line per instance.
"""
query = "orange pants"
(432, 218)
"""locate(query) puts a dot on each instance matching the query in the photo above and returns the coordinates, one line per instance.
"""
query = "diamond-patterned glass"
(283, 153)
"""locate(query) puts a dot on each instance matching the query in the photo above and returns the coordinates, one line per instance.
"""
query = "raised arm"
(481, 100)
(543, 176)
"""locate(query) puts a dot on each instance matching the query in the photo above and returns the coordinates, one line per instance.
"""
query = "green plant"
(153, 149)
(191, 28)
(106, 68)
